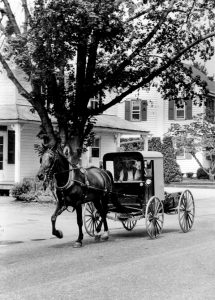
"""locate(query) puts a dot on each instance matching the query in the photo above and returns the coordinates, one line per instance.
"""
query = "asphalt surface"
(35, 265)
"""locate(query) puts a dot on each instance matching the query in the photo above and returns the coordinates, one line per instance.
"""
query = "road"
(35, 265)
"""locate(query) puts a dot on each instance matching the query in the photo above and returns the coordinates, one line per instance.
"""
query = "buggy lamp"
(148, 181)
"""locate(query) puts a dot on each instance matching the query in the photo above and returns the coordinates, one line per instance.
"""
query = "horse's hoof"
(59, 234)
(97, 237)
(77, 245)
(105, 237)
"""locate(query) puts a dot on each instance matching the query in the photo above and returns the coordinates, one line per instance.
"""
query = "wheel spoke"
(154, 217)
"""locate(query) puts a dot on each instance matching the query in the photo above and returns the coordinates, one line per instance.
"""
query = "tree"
(74, 50)
(172, 171)
(195, 137)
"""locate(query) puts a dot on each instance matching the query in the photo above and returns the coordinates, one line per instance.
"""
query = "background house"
(146, 108)
(19, 128)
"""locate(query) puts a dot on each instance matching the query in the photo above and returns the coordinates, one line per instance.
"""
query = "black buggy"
(138, 192)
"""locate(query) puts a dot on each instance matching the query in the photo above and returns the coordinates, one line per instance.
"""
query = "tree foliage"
(74, 50)
(198, 136)
(172, 171)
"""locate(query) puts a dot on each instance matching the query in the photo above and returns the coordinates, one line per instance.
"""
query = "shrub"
(189, 174)
(20, 189)
(172, 171)
(201, 174)
(29, 190)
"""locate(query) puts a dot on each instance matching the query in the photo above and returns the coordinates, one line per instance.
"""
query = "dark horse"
(75, 186)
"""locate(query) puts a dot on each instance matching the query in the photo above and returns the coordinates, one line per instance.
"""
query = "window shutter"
(11, 147)
(143, 110)
(127, 110)
(189, 104)
(171, 109)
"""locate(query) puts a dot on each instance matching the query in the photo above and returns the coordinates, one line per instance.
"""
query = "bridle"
(50, 175)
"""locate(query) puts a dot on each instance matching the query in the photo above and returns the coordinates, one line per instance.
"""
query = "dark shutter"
(128, 110)
(171, 109)
(11, 147)
(143, 110)
(189, 104)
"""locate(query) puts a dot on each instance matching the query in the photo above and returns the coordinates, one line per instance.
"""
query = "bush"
(172, 171)
(20, 189)
(201, 174)
(29, 190)
(189, 174)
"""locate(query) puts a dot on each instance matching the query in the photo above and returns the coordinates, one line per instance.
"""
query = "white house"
(146, 108)
(19, 128)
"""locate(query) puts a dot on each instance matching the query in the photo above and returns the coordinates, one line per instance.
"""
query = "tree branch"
(141, 45)
(140, 14)
(11, 17)
(27, 15)
(152, 75)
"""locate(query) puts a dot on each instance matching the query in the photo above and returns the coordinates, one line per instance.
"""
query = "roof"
(114, 122)
(196, 72)
(22, 113)
(133, 155)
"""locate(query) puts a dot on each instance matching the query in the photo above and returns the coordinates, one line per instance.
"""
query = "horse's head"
(47, 162)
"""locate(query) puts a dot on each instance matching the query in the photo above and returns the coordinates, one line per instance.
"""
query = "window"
(180, 113)
(93, 103)
(11, 147)
(135, 110)
(180, 110)
(95, 148)
(1, 151)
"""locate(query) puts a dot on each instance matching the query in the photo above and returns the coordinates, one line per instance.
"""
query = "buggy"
(138, 192)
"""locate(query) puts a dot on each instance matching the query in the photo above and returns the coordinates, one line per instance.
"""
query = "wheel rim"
(91, 218)
(186, 211)
(154, 217)
(129, 224)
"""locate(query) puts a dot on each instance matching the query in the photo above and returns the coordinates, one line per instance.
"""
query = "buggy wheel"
(154, 217)
(91, 218)
(186, 211)
(129, 224)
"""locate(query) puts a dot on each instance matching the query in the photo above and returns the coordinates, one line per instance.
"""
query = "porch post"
(146, 139)
(17, 128)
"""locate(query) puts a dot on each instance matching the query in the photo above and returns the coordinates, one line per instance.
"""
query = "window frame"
(95, 147)
(177, 109)
(133, 103)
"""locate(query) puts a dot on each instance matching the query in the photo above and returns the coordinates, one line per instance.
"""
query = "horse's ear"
(67, 152)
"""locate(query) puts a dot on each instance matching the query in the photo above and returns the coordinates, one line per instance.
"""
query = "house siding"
(154, 116)
(158, 121)
(29, 159)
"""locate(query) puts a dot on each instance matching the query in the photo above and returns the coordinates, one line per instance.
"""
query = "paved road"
(130, 265)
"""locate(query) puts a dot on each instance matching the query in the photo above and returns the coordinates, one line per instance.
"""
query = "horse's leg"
(78, 243)
(102, 209)
(104, 202)
(59, 209)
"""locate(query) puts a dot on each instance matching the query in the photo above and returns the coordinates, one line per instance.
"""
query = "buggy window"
(127, 170)
(148, 167)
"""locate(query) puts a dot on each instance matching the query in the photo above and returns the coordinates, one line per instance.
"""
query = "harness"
(85, 185)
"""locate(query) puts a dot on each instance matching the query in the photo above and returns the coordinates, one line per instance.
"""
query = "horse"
(75, 186)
